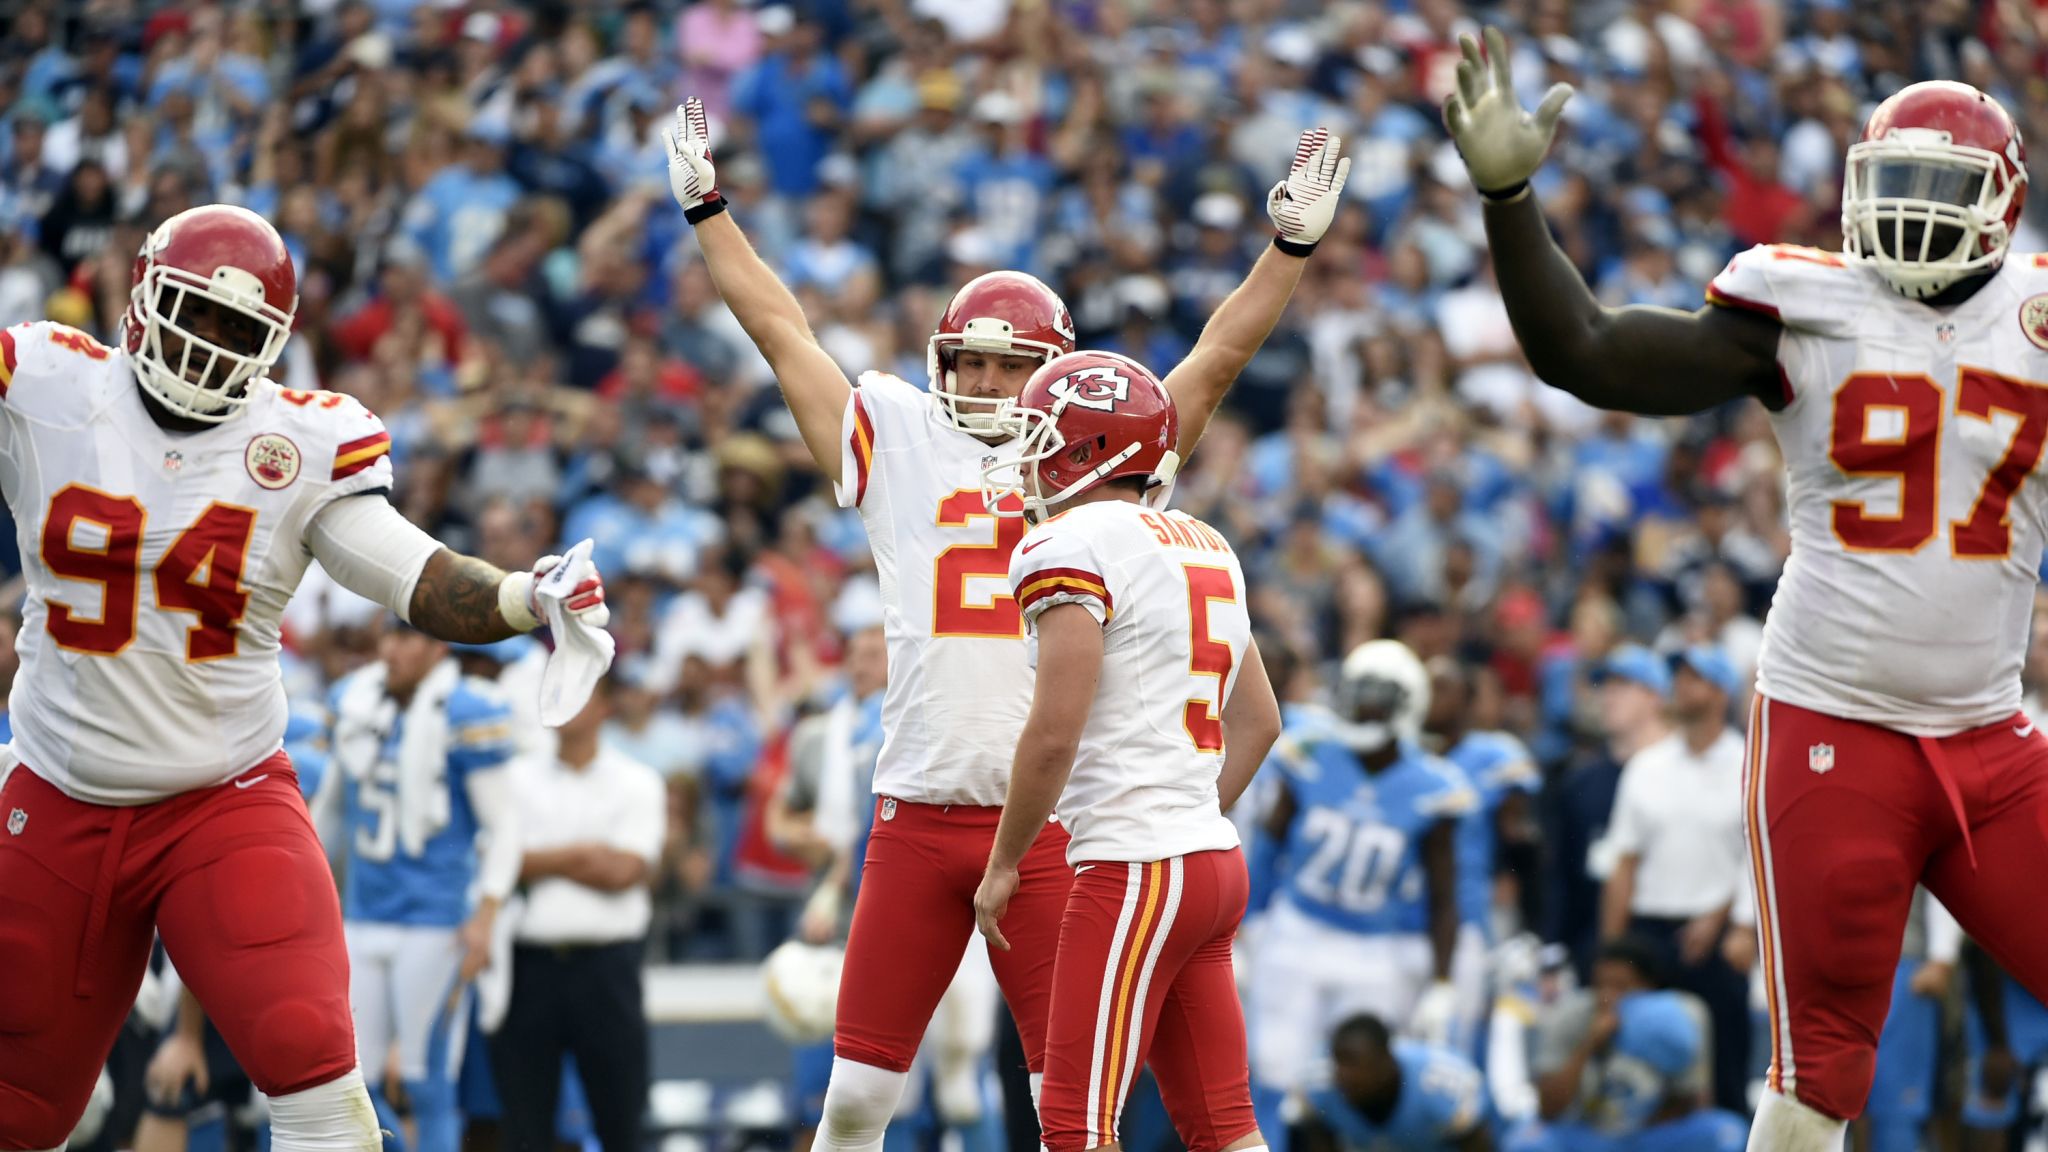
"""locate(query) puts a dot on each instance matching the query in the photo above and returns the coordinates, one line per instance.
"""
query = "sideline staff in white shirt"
(1677, 834)
(592, 823)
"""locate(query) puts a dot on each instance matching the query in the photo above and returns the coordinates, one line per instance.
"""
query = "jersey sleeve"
(875, 415)
(41, 364)
(479, 728)
(360, 460)
(1056, 563)
(1509, 766)
(1452, 798)
(1457, 1097)
(1804, 289)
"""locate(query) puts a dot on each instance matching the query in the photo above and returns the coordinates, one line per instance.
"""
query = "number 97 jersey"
(158, 565)
(1912, 436)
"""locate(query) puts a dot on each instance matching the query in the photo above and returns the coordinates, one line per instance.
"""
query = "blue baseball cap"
(1639, 664)
(1657, 1030)
(1710, 664)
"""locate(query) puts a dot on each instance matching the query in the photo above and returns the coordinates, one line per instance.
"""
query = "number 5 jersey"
(1169, 595)
(158, 564)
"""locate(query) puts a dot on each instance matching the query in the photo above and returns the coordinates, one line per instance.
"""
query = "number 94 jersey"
(1169, 595)
(959, 681)
(158, 565)
(1912, 436)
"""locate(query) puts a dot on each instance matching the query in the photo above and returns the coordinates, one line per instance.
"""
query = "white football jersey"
(959, 678)
(1170, 596)
(158, 565)
(1912, 436)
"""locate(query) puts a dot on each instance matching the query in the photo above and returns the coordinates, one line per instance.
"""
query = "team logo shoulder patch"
(273, 461)
(2034, 319)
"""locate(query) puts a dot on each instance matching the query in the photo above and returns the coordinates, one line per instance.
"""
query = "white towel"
(583, 649)
(836, 819)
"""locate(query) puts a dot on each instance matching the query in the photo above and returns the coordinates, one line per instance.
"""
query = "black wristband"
(1511, 192)
(706, 210)
(1292, 247)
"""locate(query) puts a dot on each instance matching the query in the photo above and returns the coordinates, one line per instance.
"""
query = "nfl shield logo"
(173, 460)
(1821, 758)
(888, 808)
(16, 821)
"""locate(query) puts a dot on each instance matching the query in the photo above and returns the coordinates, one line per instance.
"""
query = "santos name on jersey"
(959, 680)
(158, 564)
(1167, 590)
(1912, 435)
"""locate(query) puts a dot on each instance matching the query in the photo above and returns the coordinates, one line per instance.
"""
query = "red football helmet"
(1005, 313)
(1084, 418)
(1934, 187)
(230, 264)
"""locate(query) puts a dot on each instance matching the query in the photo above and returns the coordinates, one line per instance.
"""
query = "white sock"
(331, 1117)
(1785, 1125)
(859, 1100)
(1037, 1088)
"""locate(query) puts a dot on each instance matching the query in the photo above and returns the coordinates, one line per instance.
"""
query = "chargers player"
(1638, 1071)
(167, 498)
(1904, 377)
(911, 459)
(1151, 712)
(1365, 918)
(2007, 1033)
(420, 752)
(1504, 781)
(1396, 1095)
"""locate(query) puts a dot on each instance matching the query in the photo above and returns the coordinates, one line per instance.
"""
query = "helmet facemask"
(1039, 440)
(195, 376)
(1925, 211)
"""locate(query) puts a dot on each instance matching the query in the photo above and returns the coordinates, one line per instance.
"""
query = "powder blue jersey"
(386, 884)
(1443, 1098)
(1494, 764)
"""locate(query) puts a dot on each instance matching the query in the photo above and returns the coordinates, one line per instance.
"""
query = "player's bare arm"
(1651, 361)
(1301, 207)
(457, 600)
(1069, 669)
(812, 384)
(1251, 722)
(1440, 867)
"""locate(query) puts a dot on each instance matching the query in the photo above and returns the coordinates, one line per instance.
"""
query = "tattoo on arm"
(456, 600)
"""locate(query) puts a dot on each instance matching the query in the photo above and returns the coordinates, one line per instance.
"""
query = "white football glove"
(522, 610)
(690, 174)
(1502, 144)
(1303, 205)
(1436, 1013)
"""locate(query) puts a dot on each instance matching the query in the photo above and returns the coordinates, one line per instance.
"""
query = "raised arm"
(1301, 207)
(812, 384)
(1652, 361)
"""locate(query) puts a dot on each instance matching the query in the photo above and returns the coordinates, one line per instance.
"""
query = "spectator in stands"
(1679, 855)
(591, 822)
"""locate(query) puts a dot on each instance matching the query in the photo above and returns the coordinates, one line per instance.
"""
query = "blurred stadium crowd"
(473, 193)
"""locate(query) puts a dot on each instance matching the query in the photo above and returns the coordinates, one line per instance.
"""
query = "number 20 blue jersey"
(1353, 856)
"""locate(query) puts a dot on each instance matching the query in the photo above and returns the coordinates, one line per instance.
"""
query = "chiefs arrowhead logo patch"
(273, 460)
(2034, 319)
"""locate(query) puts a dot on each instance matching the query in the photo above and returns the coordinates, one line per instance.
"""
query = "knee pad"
(296, 1043)
(332, 1117)
(1783, 1124)
(859, 1101)
(1866, 921)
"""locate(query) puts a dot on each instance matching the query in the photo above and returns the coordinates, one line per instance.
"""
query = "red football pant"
(234, 881)
(1844, 819)
(1145, 955)
(912, 920)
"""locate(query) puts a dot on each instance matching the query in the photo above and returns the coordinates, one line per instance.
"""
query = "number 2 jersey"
(1911, 436)
(1169, 595)
(959, 677)
(158, 565)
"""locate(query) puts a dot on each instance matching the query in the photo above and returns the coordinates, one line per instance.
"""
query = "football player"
(1905, 377)
(1362, 829)
(910, 457)
(168, 497)
(421, 753)
(1150, 713)
(1504, 781)
(1396, 1095)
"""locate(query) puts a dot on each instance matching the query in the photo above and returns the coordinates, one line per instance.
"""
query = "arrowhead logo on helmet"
(1083, 419)
(1099, 387)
